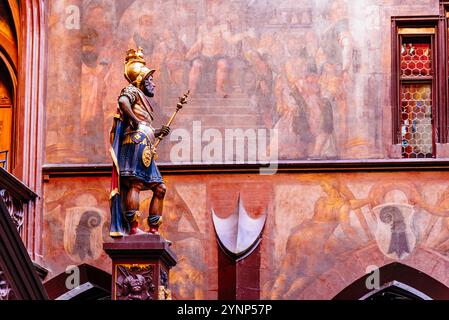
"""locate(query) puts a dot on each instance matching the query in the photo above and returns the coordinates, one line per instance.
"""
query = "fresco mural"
(353, 222)
(186, 225)
(77, 223)
(316, 71)
(322, 232)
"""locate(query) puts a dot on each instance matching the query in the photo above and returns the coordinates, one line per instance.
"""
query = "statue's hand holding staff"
(162, 132)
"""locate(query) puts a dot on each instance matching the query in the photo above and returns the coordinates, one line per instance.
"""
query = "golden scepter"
(179, 106)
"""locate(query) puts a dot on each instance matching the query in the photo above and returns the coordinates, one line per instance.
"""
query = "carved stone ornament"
(15, 209)
(6, 292)
(164, 292)
(135, 282)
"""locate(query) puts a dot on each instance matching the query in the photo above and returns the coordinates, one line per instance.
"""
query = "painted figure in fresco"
(95, 74)
(295, 68)
(133, 149)
(215, 47)
(144, 36)
(334, 59)
(319, 116)
(209, 51)
(314, 123)
(288, 109)
(261, 90)
(169, 54)
(241, 40)
(306, 252)
(439, 213)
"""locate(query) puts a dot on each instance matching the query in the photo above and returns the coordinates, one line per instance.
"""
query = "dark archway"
(395, 291)
(397, 282)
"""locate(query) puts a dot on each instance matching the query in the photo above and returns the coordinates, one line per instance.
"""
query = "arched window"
(6, 116)
(8, 76)
(396, 282)
(395, 290)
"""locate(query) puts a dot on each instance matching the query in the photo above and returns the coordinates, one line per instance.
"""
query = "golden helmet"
(135, 67)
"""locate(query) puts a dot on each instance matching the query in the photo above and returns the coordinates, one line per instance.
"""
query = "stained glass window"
(417, 129)
(416, 76)
(416, 57)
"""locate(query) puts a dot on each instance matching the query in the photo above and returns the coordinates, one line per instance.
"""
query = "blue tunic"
(127, 151)
(131, 158)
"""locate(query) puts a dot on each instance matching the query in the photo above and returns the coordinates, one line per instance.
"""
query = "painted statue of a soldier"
(133, 150)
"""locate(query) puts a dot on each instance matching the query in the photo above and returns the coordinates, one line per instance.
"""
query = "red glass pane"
(417, 131)
(416, 57)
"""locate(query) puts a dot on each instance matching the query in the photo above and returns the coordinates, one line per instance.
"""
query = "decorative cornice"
(304, 166)
(146, 247)
(15, 209)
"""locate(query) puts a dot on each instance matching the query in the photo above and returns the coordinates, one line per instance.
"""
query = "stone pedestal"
(140, 267)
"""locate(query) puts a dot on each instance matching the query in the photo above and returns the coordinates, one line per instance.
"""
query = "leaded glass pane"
(417, 132)
(416, 57)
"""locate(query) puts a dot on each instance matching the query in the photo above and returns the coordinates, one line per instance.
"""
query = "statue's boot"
(154, 222)
(134, 228)
(133, 219)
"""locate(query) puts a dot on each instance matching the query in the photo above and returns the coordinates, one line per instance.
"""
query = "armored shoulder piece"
(130, 92)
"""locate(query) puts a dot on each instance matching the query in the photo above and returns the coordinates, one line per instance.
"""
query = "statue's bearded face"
(148, 86)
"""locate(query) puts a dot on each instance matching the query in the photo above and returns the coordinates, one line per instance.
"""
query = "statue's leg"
(156, 206)
(132, 206)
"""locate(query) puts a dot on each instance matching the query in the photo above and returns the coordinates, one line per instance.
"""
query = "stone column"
(140, 267)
